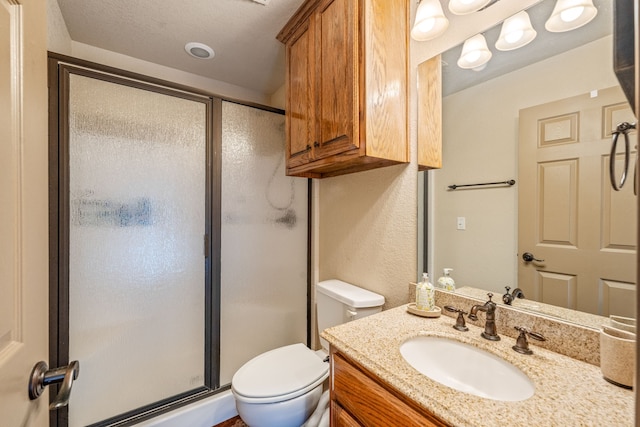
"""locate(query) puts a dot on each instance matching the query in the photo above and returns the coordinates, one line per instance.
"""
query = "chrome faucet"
(488, 307)
(509, 297)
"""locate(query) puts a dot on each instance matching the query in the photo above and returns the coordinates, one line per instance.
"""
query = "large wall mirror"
(558, 93)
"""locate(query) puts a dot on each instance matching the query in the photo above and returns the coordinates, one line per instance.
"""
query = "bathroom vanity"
(357, 391)
(372, 384)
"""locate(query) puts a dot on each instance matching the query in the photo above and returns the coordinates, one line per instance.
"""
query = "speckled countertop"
(568, 392)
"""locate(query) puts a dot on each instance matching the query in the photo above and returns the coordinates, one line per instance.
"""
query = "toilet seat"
(280, 374)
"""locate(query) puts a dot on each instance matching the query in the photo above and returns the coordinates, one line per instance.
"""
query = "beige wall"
(58, 39)
(278, 98)
(480, 129)
(367, 230)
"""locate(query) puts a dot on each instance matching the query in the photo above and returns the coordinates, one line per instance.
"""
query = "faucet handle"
(460, 323)
(507, 297)
(522, 345)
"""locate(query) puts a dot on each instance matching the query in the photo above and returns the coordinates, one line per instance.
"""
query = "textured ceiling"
(241, 32)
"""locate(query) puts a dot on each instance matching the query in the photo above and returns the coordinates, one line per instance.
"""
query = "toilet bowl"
(279, 388)
(282, 387)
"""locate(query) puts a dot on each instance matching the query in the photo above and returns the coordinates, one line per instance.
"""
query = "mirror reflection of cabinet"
(346, 105)
(430, 114)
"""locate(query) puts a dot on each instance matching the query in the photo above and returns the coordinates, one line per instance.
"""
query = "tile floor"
(233, 422)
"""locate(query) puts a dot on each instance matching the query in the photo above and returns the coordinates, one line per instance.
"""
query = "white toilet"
(282, 387)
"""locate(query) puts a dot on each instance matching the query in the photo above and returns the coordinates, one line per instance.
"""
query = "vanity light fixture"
(464, 7)
(475, 53)
(570, 14)
(430, 21)
(516, 32)
(199, 50)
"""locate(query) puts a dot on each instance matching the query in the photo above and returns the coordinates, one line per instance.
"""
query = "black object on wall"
(623, 48)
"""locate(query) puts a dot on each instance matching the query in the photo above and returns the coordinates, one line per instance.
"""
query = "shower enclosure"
(179, 247)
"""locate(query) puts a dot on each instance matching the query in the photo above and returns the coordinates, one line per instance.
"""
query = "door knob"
(528, 257)
(42, 376)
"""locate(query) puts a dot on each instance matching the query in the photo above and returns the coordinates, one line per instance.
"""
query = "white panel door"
(583, 230)
(23, 209)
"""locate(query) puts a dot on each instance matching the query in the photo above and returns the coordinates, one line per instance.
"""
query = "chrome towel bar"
(509, 182)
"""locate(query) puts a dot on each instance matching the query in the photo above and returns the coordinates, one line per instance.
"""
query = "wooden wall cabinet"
(359, 398)
(347, 86)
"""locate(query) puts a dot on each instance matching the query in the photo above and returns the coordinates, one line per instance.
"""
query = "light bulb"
(571, 14)
(568, 15)
(430, 21)
(475, 52)
(464, 7)
(514, 36)
(426, 25)
(516, 32)
(472, 56)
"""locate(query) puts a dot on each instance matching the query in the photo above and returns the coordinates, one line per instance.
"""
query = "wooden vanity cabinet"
(347, 86)
(359, 398)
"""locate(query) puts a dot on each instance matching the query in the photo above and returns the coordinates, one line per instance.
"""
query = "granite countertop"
(568, 392)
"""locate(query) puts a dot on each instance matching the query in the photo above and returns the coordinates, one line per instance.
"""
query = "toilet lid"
(291, 370)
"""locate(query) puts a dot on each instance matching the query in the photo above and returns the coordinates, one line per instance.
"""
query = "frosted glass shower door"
(137, 217)
(264, 240)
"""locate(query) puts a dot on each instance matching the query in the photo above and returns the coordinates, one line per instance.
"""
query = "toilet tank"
(340, 302)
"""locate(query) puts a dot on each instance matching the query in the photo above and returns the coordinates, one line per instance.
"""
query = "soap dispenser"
(446, 282)
(425, 294)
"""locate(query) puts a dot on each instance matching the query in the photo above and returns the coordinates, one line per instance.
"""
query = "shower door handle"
(42, 376)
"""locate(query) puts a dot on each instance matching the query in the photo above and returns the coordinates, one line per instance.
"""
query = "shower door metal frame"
(60, 67)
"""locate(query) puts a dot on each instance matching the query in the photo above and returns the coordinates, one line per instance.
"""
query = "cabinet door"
(300, 95)
(337, 86)
(341, 418)
(369, 401)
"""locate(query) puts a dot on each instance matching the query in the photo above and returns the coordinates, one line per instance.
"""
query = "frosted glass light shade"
(430, 21)
(568, 15)
(475, 53)
(516, 32)
(465, 7)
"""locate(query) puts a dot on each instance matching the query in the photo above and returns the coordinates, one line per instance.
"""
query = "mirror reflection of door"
(583, 230)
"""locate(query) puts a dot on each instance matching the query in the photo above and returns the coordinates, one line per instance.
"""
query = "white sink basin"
(467, 368)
